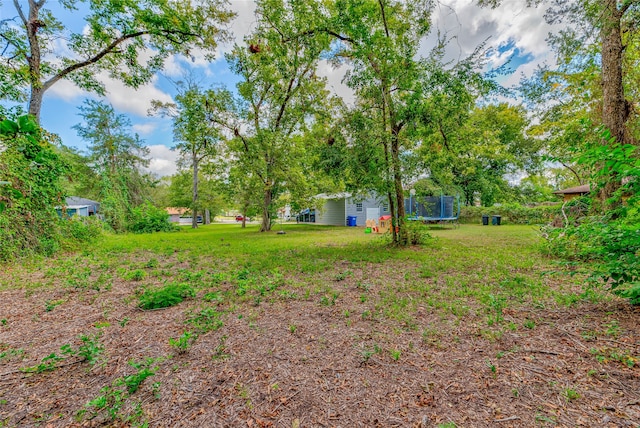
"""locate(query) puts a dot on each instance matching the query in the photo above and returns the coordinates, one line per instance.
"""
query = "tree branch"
(110, 49)
(20, 12)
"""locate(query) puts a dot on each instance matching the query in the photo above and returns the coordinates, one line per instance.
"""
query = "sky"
(512, 32)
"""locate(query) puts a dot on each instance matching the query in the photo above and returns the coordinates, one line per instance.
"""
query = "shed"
(573, 192)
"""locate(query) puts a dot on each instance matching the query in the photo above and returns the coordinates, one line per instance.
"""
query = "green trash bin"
(495, 220)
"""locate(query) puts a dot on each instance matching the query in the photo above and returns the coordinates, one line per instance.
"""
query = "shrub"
(512, 213)
(30, 170)
(148, 218)
(169, 295)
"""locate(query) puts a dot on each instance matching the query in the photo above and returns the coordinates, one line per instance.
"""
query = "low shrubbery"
(147, 218)
(512, 213)
(164, 297)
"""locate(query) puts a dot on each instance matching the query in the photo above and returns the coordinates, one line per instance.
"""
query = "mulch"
(293, 362)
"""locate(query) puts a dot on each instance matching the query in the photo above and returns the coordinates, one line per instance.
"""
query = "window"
(385, 207)
(359, 207)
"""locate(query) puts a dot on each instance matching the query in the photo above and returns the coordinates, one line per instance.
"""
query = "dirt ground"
(292, 362)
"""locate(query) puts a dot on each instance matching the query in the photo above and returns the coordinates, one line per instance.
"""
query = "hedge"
(512, 213)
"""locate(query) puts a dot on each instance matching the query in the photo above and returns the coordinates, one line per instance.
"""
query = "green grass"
(468, 271)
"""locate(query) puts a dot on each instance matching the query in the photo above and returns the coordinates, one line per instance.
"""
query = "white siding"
(332, 213)
(374, 202)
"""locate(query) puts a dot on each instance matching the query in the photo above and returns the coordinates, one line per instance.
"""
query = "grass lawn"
(322, 326)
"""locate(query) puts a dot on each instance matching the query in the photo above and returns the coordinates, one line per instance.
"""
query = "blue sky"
(513, 32)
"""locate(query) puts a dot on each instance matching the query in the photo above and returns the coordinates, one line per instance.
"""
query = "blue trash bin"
(351, 220)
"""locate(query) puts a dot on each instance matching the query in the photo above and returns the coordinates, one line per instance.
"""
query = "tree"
(279, 96)
(117, 156)
(128, 39)
(195, 135)
(474, 148)
(615, 23)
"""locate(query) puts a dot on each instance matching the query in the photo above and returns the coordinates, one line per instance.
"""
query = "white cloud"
(163, 160)
(144, 128)
(134, 101)
(67, 91)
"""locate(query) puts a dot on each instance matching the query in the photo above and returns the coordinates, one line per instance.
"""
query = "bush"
(512, 213)
(169, 295)
(80, 229)
(147, 219)
(30, 172)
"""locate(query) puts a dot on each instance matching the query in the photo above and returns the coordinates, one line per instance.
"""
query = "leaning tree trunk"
(615, 111)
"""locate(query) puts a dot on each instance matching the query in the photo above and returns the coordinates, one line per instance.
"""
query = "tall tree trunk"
(194, 200)
(403, 235)
(266, 203)
(32, 24)
(614, 106)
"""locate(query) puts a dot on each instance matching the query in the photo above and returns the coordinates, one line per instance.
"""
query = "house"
(337, 208)
(175, 213)
(573, 192)
(82, 207)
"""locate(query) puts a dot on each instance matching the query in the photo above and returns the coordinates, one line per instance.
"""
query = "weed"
(48, 363)
(495, 307)
(530, 324)
(292, 328)
(114, 398)
(329, 300)
(570, 394)
(604, 355)
(515, 393)
(164, 297)
(368, 353)
(10, 353)
(50, 305)
(90, 349)
(124, 321)
(363, 298)
(492, 367)
(214, 296)
(395, 354)
(206, 320)
(613, 329)
(4, 321)
(219, 351)
(341, 276)
(184, 342)
(151, 263)
(365, 286)
(135, 275)
(447, 425)
(346, 313)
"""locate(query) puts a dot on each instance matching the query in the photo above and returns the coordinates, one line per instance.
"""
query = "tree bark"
(266, 219)
(614, 107)
(403, 235)
(194, 201)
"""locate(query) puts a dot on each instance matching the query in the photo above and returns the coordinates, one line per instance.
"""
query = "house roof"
(334, 195)
(76, 200)
(176, 210)
(585, 188)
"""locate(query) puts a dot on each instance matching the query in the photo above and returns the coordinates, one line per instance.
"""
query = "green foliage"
(184, 342)
(127, 40)
(30, 172)
(609, 242)
(511, 213)
(206, 320)
(113, 399)
(147, 218)
(164, 297)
